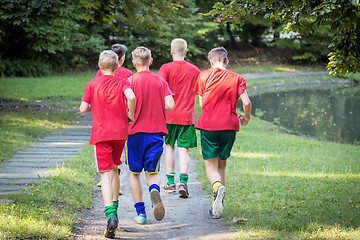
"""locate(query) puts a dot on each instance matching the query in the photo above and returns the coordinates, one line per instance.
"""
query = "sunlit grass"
(273, 68)
(68, 87)
(20, 129)
(49, 209)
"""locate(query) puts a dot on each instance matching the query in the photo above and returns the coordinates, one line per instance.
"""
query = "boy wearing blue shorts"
(104, 96)
(145, 141)
(219, 90)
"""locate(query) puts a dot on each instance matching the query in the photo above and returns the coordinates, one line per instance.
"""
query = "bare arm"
(84, 107)
(169, 103)
(131, 103)
(245, 118)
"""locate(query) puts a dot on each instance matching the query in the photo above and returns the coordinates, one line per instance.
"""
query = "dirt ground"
(184, 218)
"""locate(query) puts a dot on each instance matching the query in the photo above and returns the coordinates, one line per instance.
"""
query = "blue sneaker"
(159, 209)
(140, 219)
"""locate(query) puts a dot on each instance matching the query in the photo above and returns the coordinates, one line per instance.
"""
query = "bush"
(24, 68)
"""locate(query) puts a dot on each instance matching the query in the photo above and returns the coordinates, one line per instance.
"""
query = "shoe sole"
(159, 209)
(217, 206)
(111, 232)
(140, 223)
(183, 193)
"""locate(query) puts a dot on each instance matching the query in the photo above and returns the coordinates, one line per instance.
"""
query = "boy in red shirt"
(120, 50)
(106, 95)
(219, 90)
(145, 141)
(181, 77)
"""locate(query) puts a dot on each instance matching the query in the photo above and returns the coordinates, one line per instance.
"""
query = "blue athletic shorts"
(143, 151)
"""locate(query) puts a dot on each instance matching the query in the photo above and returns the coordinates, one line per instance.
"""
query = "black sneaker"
(111, 227)
(217, 205)
(183, 191)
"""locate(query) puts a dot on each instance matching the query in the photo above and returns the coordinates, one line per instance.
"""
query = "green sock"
(110, 210)
(171, 178)
(116, 204)
(183, 178)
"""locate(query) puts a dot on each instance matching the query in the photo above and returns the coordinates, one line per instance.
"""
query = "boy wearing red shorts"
(104, 97)
(181, 77)
(145, 141)
(219, 90)
(120, 50)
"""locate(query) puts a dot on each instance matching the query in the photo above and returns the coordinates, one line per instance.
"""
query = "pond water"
(326, 113)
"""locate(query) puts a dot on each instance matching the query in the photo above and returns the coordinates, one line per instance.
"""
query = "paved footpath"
(28, 166)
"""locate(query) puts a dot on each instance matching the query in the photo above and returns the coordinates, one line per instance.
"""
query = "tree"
(341, 16)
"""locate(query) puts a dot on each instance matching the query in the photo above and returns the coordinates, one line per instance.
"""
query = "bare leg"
(169, 158)
(221, 170)
(106, 187)
(152, 179)
(115, 183)
(211, 167)
(183, 160)
(135, 187)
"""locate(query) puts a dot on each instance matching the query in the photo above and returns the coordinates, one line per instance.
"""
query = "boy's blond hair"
(218, 54)
(141, 56)
(178, 46)
(108, 60)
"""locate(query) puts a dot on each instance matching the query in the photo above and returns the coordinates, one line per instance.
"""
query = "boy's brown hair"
(178, 46)
(218, 54)
(108, 59)
(119, 49)
(141, 56)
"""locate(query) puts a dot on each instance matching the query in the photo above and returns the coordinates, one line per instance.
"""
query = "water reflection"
(331, 113)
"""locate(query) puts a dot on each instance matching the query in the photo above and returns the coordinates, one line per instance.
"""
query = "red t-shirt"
(181, 77)
(106, 96)
(220, 90)
(150, 92)
(119, 72)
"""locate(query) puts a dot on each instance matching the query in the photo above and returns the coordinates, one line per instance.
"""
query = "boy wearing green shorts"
(181, 77)
(219, 90)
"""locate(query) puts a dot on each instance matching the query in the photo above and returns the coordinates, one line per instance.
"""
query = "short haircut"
(178, 46)
(218, 54)
(119, 49)
(108, 60)
(141, 56)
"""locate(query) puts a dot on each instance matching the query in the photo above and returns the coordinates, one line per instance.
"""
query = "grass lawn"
(285, 187)
(49, 209)
(68, 87)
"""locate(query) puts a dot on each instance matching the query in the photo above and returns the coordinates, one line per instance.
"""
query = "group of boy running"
(142, 111)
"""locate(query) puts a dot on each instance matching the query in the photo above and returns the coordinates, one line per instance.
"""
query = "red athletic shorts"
(108, 154)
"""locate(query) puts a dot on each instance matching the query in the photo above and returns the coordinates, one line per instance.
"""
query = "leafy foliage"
(341, 16)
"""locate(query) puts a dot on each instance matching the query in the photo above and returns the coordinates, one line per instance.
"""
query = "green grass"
(68, 87)
(289, 187)
(49, 209)
(20, 129)
(273, 68)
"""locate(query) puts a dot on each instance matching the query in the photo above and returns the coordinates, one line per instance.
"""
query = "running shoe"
(140, 219)
(183, 191)
(217, 205)
(159, 209)
(111, 227)
(170, 188)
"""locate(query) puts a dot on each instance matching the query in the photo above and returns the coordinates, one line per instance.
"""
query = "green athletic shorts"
(185, 135)
(217, 143)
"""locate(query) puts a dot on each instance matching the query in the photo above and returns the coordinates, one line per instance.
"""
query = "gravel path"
(184, 218)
